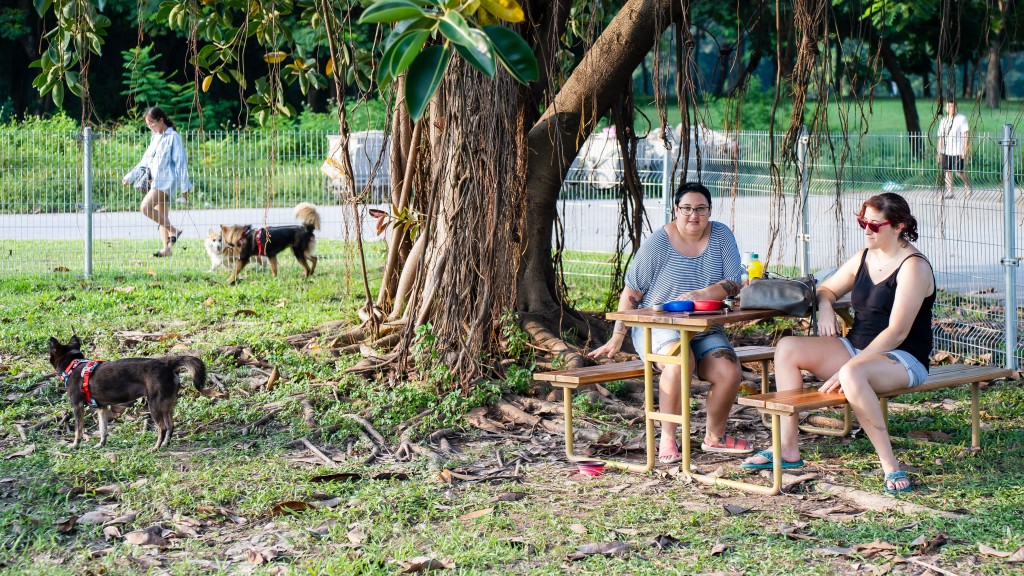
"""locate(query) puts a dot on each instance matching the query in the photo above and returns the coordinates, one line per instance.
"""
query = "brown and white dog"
(270, 241)
(101, 384)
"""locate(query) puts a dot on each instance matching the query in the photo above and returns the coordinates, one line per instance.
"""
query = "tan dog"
(272, 240)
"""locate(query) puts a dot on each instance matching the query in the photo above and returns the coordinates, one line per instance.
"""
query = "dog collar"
(90, 365)
(261, 241)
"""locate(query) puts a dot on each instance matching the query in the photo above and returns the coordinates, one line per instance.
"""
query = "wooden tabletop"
(649, 316)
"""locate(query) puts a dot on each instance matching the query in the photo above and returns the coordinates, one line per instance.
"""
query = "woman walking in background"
(162, 172)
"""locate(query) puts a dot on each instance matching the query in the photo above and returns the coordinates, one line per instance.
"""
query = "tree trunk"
(903, 85)
(557, 137)
(993, 73)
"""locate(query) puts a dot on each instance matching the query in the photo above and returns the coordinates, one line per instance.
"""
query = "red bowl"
(707, 305)
(591, 467)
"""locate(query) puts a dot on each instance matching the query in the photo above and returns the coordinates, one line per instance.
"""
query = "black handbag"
(794, 296)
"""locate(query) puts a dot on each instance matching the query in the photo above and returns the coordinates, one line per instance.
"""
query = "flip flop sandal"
(894, 477)
(767, 455)
(732, 446)
(677, 457)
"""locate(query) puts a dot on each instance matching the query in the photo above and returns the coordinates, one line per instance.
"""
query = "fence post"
(805, 237)
(1009, 261)
(666, 182)
(87, 192)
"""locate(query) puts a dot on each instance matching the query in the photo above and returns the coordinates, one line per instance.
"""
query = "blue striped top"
(661, 273)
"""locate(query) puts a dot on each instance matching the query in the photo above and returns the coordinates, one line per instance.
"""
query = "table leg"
(684, 396)
(649, 400)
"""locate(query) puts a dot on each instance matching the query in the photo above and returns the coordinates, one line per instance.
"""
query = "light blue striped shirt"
(165, 158)
(662, 274)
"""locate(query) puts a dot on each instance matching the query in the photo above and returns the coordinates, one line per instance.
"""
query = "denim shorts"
(702, 343)
(915, 370)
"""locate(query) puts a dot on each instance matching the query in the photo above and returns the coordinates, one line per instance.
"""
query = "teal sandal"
(892, 478)
(767, 455)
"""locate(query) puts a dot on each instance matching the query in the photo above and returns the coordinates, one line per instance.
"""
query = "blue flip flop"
(893, 477)
(767, 455)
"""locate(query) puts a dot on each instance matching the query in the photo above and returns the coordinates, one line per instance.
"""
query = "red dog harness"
(90, 365)
(261, 237)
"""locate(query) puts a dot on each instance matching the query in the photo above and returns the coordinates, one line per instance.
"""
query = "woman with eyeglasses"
(887, 348)
(690, 258)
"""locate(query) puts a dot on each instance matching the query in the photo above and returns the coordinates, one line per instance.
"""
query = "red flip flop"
(732, 446)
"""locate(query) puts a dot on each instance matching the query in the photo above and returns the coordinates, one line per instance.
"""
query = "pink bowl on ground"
(590, 467)
(707, 305)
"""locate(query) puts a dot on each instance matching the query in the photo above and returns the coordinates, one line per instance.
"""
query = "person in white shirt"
(954, 145)
(162, 172)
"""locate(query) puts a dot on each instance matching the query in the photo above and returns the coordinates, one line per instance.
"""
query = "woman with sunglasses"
(887, 348)
(691, 258)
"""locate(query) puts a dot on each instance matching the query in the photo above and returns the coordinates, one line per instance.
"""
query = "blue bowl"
(678, 306)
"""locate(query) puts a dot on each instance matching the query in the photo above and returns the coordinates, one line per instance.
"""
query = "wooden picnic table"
(688, 324)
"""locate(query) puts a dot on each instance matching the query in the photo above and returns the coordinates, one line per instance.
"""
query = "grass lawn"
(231, 497)
(883, 116)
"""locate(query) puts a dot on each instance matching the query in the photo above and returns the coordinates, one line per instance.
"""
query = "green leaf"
(455, 28)
(58, 95)
(42, 6)
(480, 54)
(406, 49)
(424, 77)
(515, 54)
(390, 11)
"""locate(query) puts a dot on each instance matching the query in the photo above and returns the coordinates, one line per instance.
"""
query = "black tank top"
(872, 304)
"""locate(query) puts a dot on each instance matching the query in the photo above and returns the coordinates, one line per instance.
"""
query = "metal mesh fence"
(256, 177)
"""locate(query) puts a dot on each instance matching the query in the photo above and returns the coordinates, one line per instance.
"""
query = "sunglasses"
(873, 226)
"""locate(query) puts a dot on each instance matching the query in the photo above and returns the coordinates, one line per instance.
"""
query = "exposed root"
(371, 365)
(308, 414)
(260, 422)
(512, 413)
(376, 436)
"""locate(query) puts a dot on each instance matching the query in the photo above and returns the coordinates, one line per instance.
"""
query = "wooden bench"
(788, 403)
(569, 380)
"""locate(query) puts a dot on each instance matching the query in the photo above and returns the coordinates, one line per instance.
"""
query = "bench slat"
(794, 401)
(632, 369)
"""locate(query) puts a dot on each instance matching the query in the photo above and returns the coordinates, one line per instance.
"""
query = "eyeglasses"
(873, 226)
(690, 210)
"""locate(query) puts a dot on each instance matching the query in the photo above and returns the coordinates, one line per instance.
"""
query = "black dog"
(272, 240)
(101, 384)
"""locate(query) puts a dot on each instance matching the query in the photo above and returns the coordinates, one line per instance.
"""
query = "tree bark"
(907, 97)
(557, 137)
(993, 73)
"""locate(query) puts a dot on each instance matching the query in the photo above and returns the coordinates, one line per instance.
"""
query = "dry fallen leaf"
(288, 507)
(424, 563)
(718, 548)
(735, 510)
(476, 514)
(578, 528)
(147, 537)
(613, 548)
(663, 541)
(21, 453)
(111, 533)
(337, 477)
(95, 517)
(508, 497)
(116, 488)
(124, 289)
(834, 551)
(245, 312)
(985, 550)
(356, 536)
(65, 525)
